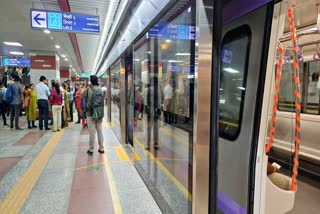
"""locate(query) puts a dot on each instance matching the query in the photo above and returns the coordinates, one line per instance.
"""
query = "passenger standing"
(95, 106)
(3, 104)
(56, 101)
(66, 109)
(32, 109)
(152, 112)
(16, 102)
(43, 94)
(167, 92)
(70, 92)
(78, 102)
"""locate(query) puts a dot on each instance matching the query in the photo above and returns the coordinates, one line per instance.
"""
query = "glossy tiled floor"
(46, 172)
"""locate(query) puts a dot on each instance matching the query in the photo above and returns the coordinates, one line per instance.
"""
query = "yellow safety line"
(16, 198)
(229, 123)
(136, 156)
(121, 153)
(179, 140)
(167, 172)
(88, 166)
(112, 185)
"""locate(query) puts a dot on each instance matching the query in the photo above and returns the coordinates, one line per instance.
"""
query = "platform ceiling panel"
(15, 27)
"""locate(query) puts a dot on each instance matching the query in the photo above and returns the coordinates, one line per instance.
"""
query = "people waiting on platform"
(56, 98)
(16, 102)
(43, 94)
(95, 112)
(3, 104)
(31, 106)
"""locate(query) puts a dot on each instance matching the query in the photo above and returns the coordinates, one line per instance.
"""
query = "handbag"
(26, 102)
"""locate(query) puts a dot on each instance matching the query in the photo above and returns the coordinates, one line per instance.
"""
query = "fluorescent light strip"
(241, 88)
(16, 53)
(13, 44)
(47, 31)
(231, 70)
(104, 33)
(39, 60)
(183, 54)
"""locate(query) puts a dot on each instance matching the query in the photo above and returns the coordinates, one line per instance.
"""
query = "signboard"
(16, 62)
(63, 21)
(226, 56)
(172, 31)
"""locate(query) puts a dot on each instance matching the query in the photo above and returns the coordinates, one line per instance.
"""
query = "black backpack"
(97, 104)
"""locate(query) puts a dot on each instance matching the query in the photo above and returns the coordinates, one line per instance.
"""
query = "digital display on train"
(172, 31)
(18, 62)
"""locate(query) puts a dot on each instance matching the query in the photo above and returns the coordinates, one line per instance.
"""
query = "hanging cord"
(297, 94)
(272, 128)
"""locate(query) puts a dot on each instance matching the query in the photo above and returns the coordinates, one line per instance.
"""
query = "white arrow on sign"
(39, 19)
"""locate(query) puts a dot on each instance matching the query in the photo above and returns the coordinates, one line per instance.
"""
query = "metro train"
(220, 59)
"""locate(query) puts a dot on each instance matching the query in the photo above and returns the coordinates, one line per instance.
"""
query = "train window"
(311, 101)
(286, 95)
(310, 88)
(235, 56)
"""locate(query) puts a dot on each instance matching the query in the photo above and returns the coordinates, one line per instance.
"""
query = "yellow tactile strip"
(16, 198)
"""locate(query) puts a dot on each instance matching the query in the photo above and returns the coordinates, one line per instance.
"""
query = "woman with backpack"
(94, 99)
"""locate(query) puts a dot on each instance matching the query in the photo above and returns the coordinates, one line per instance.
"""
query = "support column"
(44, 64)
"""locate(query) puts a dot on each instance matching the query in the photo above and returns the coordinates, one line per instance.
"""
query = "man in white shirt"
(43, 94)
(167, 92)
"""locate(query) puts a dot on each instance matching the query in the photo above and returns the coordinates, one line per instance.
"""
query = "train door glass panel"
(163, 75)
(115, 98)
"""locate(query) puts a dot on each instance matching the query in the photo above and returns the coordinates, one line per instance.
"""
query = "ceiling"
(15, 27)
(306, 14)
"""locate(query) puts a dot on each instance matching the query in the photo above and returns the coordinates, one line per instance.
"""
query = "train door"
(243, 62)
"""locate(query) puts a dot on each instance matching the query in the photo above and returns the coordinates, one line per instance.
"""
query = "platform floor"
(46, 172)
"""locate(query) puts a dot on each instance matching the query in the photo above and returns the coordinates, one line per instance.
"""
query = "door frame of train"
(261, 159)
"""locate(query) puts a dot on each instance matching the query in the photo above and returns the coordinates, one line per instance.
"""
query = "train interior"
(307, 22)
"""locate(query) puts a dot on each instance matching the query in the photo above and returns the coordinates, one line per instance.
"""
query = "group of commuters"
(88, 99)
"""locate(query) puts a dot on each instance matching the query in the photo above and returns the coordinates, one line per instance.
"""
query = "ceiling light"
(174, 60)
(189, 9)
(183, 54)
(46, 31)
(242, 88)
(231, 70)
(13, 44)
(65, 59)
(64, 56)
(16, 53)
(136, 60)
(58, 46)
(149, 52)
(39, 60)
(168, 40)
(70, 66)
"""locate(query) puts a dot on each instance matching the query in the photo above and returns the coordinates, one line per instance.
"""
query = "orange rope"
(297, 140)
(272, 128)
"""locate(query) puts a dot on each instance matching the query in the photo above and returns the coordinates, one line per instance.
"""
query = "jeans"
(56, 114)
(71, 110)
(43, 113)
(95, 126)
(15, 113)
(152, 123)
(3, 110)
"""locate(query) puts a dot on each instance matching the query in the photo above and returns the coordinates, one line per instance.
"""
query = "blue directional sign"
(165, 30)
(62, 21)
(16, 62)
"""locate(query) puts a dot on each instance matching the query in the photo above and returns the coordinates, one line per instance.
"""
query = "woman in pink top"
(56, 102)
(78, 105)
